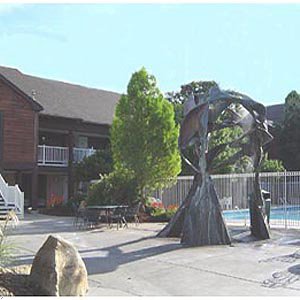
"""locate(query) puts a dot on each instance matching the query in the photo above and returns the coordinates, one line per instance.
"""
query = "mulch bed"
(15, 281)
(57, 211)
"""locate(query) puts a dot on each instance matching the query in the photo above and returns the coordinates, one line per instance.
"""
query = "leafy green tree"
(144, 135)
(271, 165)
(219, 137)
(289, 138)
(224, 136)
(117, 187)
(90, 167)
(197, 87)
(292, 107)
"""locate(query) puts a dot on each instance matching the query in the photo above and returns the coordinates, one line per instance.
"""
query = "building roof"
(275, 113)
(67, 100)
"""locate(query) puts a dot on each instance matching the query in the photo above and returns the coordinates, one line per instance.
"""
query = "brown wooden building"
(46, 127)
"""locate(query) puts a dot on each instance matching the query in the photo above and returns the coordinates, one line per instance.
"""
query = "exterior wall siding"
(19, 128)
(20, 125)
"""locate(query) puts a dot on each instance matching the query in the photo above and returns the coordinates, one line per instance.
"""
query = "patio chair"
(79, 214)
(132, 214)
(75, 213)
(118, 216)
(91, 218)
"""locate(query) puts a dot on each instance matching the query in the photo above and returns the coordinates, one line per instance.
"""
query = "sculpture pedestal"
(175, 226)
(204, 223)
(259, 228)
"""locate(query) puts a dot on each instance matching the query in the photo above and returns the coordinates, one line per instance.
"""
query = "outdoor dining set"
(92, 216)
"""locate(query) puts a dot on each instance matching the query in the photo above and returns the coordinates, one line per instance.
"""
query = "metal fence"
(234, 190)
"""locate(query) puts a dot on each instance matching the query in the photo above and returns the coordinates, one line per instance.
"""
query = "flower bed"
(157, 212)
(55, 206)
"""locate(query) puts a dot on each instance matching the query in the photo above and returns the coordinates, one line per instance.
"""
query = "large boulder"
(58, 270)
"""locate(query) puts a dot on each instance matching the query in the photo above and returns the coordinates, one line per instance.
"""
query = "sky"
(253, 48)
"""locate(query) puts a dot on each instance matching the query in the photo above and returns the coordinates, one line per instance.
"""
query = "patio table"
(107, 209)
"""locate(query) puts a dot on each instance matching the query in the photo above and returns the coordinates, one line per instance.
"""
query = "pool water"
(277, 213)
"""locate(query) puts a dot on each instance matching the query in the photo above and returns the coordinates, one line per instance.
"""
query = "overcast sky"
(253, 48)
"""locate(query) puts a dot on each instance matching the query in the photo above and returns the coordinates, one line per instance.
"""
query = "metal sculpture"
(199, 219)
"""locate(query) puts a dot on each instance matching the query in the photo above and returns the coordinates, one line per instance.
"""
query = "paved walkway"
(133, 262)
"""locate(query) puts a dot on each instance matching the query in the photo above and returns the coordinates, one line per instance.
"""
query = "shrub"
(90, 167)
(271, 165)
(171, 210)
(157, 211)
(54, 200)
(56, 206)
(118, 187)
(5, 247)
(151, 204)
(76, 199)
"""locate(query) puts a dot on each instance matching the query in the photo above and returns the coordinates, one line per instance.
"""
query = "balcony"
(59, 156)
(80, 153)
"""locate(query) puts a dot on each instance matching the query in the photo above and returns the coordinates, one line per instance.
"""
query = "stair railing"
(12, 195)
(19, 201)
(4, 189)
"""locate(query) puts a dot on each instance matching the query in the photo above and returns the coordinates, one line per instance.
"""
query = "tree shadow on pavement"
(97, 264)
(116, 257)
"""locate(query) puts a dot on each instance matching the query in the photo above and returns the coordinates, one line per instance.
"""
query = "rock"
(58, 270)
(5, 292)
(14, 281)
(22, 269)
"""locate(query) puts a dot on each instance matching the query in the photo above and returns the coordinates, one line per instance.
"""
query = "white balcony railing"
(80, 153)
(59, 156)
(53, 156)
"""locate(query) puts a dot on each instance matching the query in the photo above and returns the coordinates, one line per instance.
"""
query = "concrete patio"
(132, 261)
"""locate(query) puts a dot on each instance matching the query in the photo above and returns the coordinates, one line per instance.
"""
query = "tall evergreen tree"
(144, 134)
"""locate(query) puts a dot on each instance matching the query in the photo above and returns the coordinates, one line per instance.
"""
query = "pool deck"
(133, 262)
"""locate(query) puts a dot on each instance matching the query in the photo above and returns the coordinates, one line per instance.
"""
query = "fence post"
(285, 203)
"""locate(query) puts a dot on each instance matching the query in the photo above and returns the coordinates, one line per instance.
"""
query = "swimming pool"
(277, 213)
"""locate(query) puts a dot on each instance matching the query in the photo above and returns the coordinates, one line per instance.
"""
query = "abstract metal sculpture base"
(204, 224)
(258, 224)
(175, 227)
(192, 223)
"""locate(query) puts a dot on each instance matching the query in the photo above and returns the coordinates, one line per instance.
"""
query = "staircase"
(4, 209)
(11, 198)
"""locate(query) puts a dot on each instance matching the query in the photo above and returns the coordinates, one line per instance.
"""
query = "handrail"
(19, 200)
(54, 147)
(55, 155)
(81, 153)
(59, 156)
(3, 189)
(12, 195)
(85, 149)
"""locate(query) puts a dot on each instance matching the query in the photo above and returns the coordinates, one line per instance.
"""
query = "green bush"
(118, 187)
(90, 167)
(271, 165)
(77, 198)
(157, 211)
(6, 248)
(171, 211)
